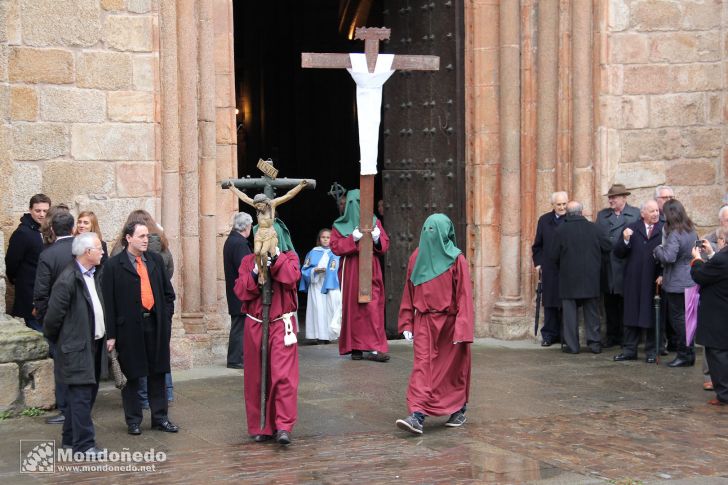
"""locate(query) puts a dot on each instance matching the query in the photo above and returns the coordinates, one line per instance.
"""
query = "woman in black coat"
(712, 332)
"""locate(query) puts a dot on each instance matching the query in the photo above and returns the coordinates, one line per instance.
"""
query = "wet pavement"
(535, 415)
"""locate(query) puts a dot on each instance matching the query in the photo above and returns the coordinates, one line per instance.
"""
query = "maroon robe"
(440, 380)
(282, 402)
(362, 324)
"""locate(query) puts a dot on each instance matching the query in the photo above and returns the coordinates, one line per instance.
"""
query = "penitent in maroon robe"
(440, 380)
(362, 324)
(282, 402)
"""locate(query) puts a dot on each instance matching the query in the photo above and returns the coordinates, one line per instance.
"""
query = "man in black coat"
(641, 270)
(236, 247)
(547, 224)
(52, 261)
(75, 322)
(577, 251)
(21, 258)
(612, 220)
(712, 332)
(139, 302)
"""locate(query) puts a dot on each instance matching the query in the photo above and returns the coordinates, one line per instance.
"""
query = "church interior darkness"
(304, 119)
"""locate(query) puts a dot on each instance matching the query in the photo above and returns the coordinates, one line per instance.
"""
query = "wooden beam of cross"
(369, 100)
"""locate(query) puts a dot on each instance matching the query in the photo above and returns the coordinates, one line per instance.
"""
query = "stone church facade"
(113, 105)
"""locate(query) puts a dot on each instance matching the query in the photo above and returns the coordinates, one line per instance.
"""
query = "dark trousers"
(78, 427)
(571, 322)
(156, 387)
(668, 334)
(61, 389)
(676, 319)
(632, 339)
(156, 390)
(718, 363)
(551, 329)
(614, 311)
(235, 342)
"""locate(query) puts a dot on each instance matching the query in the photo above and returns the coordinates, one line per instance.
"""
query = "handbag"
(116, 372)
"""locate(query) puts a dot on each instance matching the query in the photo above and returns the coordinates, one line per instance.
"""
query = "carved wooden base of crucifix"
(366, 213)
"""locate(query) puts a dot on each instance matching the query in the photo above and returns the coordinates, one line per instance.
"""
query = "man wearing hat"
(612, 220)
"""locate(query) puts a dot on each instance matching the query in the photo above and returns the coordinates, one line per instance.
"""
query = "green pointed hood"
(350, 220)
(437, 250)
(284, 236)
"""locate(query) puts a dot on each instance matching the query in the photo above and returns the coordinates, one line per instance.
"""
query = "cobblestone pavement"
(535, 416)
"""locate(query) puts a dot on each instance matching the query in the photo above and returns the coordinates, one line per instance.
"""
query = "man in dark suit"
(641, 271)
(712, 276)
(612, 220)
(236, 247)
(577, 251)
(75, 322)
(21, 258)
(547, 224)
(139, 306)
(52, 261)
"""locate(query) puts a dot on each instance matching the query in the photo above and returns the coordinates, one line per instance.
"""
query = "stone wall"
(79, 106)
(662, 101)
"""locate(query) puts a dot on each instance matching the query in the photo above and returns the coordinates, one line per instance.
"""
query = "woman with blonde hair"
(88, 222)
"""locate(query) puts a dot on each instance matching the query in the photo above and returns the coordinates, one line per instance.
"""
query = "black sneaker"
(410, 423)
(456, 420)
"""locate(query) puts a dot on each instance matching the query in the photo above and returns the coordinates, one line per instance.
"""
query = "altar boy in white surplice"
(319, 278)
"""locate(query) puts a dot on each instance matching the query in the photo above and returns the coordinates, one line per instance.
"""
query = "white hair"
(554, 194)
(644, 204)
(660, 188)
(82, 242)
(722, 210)
(241, 221)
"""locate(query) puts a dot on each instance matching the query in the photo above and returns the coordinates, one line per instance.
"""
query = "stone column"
(187, 52)
(168, 90)
(509, 311)
(482, 153)
(583, 105)
(206, 122)
(548, 93)
(564, 143)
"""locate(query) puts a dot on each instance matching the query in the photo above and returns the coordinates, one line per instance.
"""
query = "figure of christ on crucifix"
(370, 71)
(265, 241)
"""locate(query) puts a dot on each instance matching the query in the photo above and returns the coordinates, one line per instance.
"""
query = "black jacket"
(712, 277)
(123, 313)
(541, 248)
(21, 260)
(641, 269)
(70, 323)
(52, 261)
(236, 247)
(613, 267)
(577, 251)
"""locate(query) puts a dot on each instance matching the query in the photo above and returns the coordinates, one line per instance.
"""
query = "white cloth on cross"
(369, 105)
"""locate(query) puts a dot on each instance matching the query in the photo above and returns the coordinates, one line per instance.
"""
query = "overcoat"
(69, 323)
(236, 247)
(712, 277)
(612, 266)
(542, 243)
(123, 313)
(51, 263)
(641, 269)
(21, 261)
(577, 251)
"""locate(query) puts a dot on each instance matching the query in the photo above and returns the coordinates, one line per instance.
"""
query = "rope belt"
(290, 337)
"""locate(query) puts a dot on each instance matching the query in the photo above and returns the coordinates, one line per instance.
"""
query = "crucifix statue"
(265, 242)
(370, 71)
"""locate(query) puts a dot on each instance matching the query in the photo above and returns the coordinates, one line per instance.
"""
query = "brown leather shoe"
(716, 402)
(378, 357)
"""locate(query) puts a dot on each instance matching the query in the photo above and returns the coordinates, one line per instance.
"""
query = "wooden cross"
(371, 38)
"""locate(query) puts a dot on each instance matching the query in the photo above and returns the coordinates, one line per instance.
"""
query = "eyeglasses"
(668, 197)
(100, 249)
